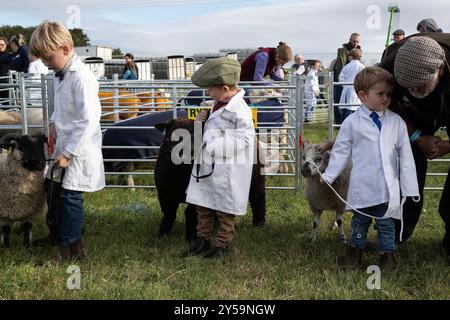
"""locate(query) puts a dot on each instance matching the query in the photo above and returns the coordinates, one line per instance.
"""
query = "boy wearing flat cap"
(222, 170)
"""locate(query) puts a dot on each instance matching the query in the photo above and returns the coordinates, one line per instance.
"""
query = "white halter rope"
(365, 214)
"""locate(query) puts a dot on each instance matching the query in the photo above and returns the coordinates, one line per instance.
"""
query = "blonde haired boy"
(74, 128)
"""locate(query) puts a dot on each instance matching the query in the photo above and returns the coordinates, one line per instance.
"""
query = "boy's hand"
(61, 161)
(52, 133)
(202, 116)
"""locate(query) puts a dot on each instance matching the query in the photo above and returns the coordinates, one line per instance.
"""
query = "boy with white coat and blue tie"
(377, 142)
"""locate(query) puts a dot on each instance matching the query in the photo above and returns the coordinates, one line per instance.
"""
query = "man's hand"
(202, 116)
(428, 145)
(443, 147)
(61, 161)
(52, 133)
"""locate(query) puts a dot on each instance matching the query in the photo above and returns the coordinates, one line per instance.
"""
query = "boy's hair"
(368, 77)
(48, 37)
(355, 54)
(313, 62)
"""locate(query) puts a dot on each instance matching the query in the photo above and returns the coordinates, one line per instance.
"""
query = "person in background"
(18, 59)
(36, 68)
(4, 68)
(341, 60)
(428, 25)
(266, 62)
(399, 35)
(348, 74)
(312, 89)
(299, 65)
(130, 71)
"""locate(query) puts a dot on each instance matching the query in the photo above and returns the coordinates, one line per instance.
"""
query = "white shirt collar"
(368, 111)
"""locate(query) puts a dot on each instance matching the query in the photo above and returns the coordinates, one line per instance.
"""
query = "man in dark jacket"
(341, 60)
(420, 64)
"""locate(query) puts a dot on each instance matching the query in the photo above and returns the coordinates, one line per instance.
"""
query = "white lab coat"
(77, 122)
(348, 74)
(36, 68)
(360, 140)
(227, 188)
(312, 83)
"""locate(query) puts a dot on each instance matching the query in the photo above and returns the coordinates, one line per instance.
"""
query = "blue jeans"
(71, 215)
(385, 228)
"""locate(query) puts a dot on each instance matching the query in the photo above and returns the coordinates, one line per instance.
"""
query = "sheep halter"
(362, 213)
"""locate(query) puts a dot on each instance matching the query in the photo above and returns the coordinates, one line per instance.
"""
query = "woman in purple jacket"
(266, 62)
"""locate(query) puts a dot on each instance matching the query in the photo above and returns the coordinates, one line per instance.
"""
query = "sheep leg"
(130, 179)
(340, 223)
(316, 222)
(6, 231)
(257, 196)
(169, 209)
(27, 235)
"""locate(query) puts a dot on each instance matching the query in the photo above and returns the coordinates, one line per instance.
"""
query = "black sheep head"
(29, 149)
(168, 129)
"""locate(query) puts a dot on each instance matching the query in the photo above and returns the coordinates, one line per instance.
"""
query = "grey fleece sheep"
(319, 195)
(22, 197)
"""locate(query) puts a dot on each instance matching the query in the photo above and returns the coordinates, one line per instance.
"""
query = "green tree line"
(79, 37)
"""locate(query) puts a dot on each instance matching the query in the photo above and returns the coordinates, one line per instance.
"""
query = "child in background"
(311, 89)
(348, 74)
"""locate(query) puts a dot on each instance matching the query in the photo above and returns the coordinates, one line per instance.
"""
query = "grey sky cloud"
(315, 28)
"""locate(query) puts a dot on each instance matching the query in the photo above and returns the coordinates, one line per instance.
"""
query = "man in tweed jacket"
(420, 64)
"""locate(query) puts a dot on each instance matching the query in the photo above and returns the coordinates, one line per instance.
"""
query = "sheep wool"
(23, 195)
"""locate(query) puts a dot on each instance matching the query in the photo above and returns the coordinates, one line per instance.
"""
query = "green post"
(392, 10)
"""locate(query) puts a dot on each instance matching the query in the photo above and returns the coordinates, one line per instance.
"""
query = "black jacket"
(429, 113)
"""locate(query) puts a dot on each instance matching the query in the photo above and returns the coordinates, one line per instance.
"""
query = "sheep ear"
(9, 140)
(306, 143)
(328, 145)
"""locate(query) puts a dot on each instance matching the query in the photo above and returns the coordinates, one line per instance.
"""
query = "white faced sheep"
(22, 177)
(319, 195)
(34, 118)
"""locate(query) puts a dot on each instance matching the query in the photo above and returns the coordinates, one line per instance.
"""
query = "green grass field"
(125, 260)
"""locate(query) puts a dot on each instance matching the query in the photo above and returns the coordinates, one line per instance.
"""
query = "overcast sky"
(315, 28)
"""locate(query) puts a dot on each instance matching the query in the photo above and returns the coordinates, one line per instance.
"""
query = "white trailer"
(94, 51)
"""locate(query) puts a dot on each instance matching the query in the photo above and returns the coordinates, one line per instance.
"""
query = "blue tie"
(376, 118)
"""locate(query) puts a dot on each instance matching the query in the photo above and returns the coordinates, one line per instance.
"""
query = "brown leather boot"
(63, 254)
(387, 261)
(76, 250)
(352, 259)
